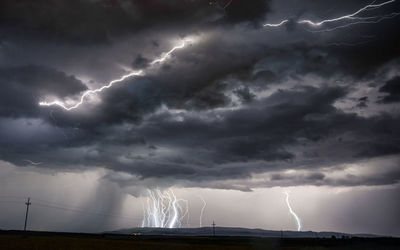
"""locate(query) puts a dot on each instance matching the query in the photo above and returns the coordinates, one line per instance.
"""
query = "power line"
(15, 202)
(213, 225)
(59, 206)
(44, 203)
(79, 210)
(28, 203)
(85, 211)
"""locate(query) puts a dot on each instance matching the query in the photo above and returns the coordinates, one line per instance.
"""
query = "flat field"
(60, 241)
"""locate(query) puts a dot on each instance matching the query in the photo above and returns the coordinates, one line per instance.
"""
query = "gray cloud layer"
(242, 100)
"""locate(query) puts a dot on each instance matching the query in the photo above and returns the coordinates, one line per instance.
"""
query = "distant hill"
(235, 231)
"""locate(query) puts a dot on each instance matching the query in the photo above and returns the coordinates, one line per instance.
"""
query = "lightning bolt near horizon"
(161, 59)
(202, 210)
(298, 221)
(164, 210)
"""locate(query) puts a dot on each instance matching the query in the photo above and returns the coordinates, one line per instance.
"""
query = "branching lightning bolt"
(202, 209)
(90, 92)
(350, 16)
(366, 20)
(276, 24)
(164, 210)
(298, 221)
(186, 214)
(167, 54)
(353, 17)
(83, 97)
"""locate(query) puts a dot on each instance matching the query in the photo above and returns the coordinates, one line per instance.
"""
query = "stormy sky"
(241, 113)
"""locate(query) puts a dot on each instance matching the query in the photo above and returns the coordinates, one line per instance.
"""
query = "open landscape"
(200, 124)
(66, 241)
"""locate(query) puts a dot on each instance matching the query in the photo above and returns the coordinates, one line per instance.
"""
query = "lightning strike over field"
(164, 210)
(202, 209)
(298, 221)
(83, 97)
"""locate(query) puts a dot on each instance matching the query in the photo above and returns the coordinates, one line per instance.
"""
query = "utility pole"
(213, 228)
(27, 210)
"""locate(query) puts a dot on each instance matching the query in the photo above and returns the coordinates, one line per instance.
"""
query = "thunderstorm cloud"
(241, 107)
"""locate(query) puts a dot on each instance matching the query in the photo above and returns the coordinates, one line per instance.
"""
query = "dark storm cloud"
(244, 94)
(392, 89)
(23, 86)
(354, 180)
(314, 178)
(211, 79)
(261, 132)
(239, 11)
(140, 62)
(378, 149)
(220, 109)
(321, 179)
(85, 21)
(362, 102)
(143, 95)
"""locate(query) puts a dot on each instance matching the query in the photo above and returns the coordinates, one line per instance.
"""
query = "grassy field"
(57, 242)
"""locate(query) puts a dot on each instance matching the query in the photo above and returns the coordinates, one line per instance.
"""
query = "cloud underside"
(240, 108)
